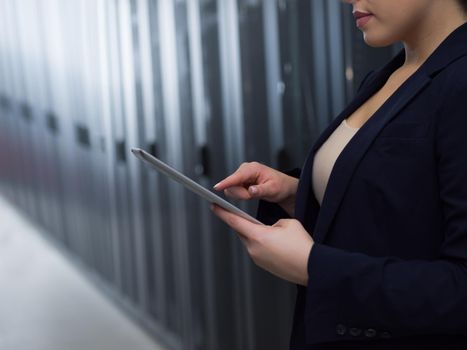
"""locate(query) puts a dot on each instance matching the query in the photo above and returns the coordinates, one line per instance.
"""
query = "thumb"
(281, 223)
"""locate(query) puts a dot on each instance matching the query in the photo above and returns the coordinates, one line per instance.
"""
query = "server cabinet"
(262, 96)
(193, 142)
(158, 278)
(221, 306)
(96, 102)
(6, 180)
(46, 153)
(131, 134)
(30, 108)
(20, 112)
(174, 111)
(57, 118)
(106, 158)
(80, 146)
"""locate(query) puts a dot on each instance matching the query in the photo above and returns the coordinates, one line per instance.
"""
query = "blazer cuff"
(323, 322)
(339, 297)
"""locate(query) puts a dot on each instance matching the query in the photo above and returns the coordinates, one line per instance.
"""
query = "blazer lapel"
(354, 151)
(305, 195)
(306, 205)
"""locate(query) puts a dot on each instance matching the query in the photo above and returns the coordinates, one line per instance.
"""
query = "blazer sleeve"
(391, 297)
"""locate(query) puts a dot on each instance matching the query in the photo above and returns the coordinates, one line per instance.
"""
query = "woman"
(378, 243)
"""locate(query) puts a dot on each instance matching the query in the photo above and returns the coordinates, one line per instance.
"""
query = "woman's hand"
(282, 249)
(255, 180)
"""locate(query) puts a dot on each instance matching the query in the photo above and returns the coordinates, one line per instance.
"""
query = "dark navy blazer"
(388, 269)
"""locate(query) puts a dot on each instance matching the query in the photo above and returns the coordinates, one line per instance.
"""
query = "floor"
(46, 304)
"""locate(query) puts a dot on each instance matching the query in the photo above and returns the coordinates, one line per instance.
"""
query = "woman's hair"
(463, 4)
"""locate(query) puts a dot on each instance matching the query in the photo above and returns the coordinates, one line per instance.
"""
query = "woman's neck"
(427, 36)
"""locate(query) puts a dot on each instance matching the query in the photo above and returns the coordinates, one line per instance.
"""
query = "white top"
(326, 156)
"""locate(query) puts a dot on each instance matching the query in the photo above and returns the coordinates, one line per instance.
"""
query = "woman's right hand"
(255, 180)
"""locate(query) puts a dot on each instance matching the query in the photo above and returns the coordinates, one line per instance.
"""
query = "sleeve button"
(355, 332)
(385, 335)
(370, 333)
(341, 329)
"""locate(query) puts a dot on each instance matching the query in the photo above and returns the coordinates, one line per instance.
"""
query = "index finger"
(238, 178)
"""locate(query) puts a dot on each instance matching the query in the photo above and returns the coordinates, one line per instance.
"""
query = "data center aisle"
(46, 304)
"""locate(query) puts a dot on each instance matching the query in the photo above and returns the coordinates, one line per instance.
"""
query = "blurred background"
(202, 84)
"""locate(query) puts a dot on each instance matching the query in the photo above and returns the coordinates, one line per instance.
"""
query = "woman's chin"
(377, 41)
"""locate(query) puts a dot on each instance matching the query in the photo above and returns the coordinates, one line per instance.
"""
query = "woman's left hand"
(282, 249)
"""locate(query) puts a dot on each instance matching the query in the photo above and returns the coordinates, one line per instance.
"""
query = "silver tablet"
(190, 184)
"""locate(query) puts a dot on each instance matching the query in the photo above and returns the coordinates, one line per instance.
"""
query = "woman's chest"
(361, 115)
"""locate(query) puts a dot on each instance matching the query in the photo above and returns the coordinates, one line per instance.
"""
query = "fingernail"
(211, 207)
(217, 184)
(253, 189)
